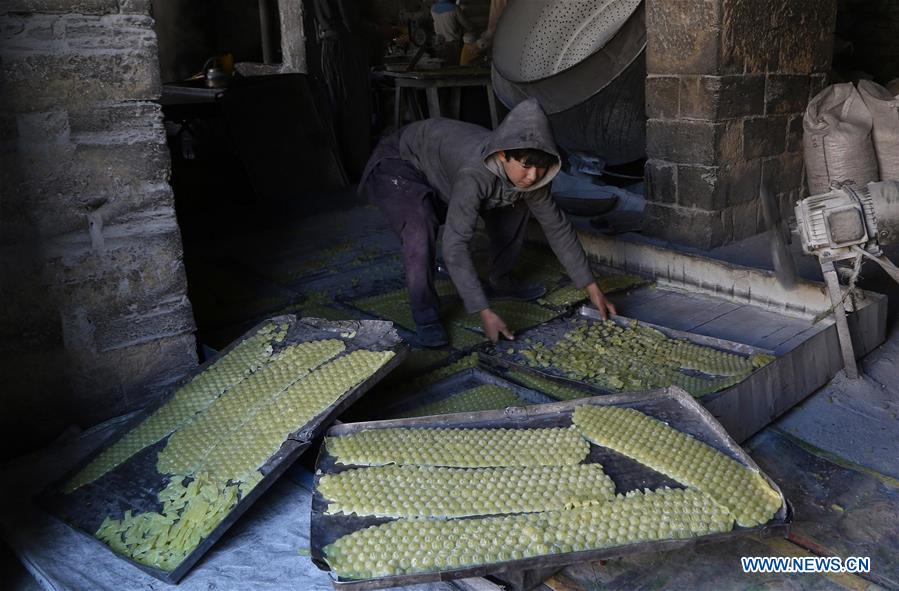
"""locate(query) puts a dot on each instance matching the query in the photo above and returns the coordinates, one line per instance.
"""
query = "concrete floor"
(834, 455)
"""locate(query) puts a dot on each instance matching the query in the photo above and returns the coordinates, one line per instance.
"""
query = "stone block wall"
(95, 319)
(728, 82)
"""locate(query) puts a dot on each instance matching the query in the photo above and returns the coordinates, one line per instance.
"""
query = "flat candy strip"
(194, 397)
(413, 546)
(187, 447)
(263, 433)
(431, 492)
(463, 448)
(689, 461)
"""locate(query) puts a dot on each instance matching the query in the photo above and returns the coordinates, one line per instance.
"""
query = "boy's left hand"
(494, 325)
(601, 302)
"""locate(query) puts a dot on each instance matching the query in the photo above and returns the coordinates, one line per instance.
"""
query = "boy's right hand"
(494, 325)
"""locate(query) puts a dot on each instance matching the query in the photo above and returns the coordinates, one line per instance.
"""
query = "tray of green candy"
(470, 390)
(623, 354)
(672, 406)
(121, 483)
(399, 386)
(556, 387)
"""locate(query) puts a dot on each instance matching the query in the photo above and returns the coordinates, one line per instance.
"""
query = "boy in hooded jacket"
(442, 171)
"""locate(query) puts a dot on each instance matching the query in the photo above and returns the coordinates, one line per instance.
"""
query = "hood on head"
(526, 126)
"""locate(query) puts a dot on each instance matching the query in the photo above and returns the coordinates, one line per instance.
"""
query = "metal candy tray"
(398, 386)
(672, 405)
(459, 382)
(507, 370)
(550, 332)
(134, 484)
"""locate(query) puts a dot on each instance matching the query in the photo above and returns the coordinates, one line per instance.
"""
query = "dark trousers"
(415, 213)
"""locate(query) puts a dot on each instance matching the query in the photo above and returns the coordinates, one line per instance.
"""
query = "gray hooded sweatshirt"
(460, 161)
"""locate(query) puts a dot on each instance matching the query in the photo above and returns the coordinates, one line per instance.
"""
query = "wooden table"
(432, 81)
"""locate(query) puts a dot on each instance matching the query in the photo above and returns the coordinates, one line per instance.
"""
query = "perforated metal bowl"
(577, 82)
(537, 39)
(596, 105)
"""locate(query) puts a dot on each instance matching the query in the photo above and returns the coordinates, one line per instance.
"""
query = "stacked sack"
(851, 135)
(884, 108)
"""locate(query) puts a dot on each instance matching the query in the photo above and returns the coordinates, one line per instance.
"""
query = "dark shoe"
(506, 288)
(432, 335)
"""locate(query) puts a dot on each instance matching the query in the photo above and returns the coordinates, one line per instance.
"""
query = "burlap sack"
(837, 139)
(884, 108)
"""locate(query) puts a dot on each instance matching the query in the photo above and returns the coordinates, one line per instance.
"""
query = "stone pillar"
(728, 82)
(95, 318)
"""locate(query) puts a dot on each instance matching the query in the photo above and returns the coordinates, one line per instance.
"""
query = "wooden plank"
(475, 584)
(524, 580)
(839, 314)
(441, 83)
(461, 73)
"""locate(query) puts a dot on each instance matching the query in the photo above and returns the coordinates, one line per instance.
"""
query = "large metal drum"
(584, 60)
